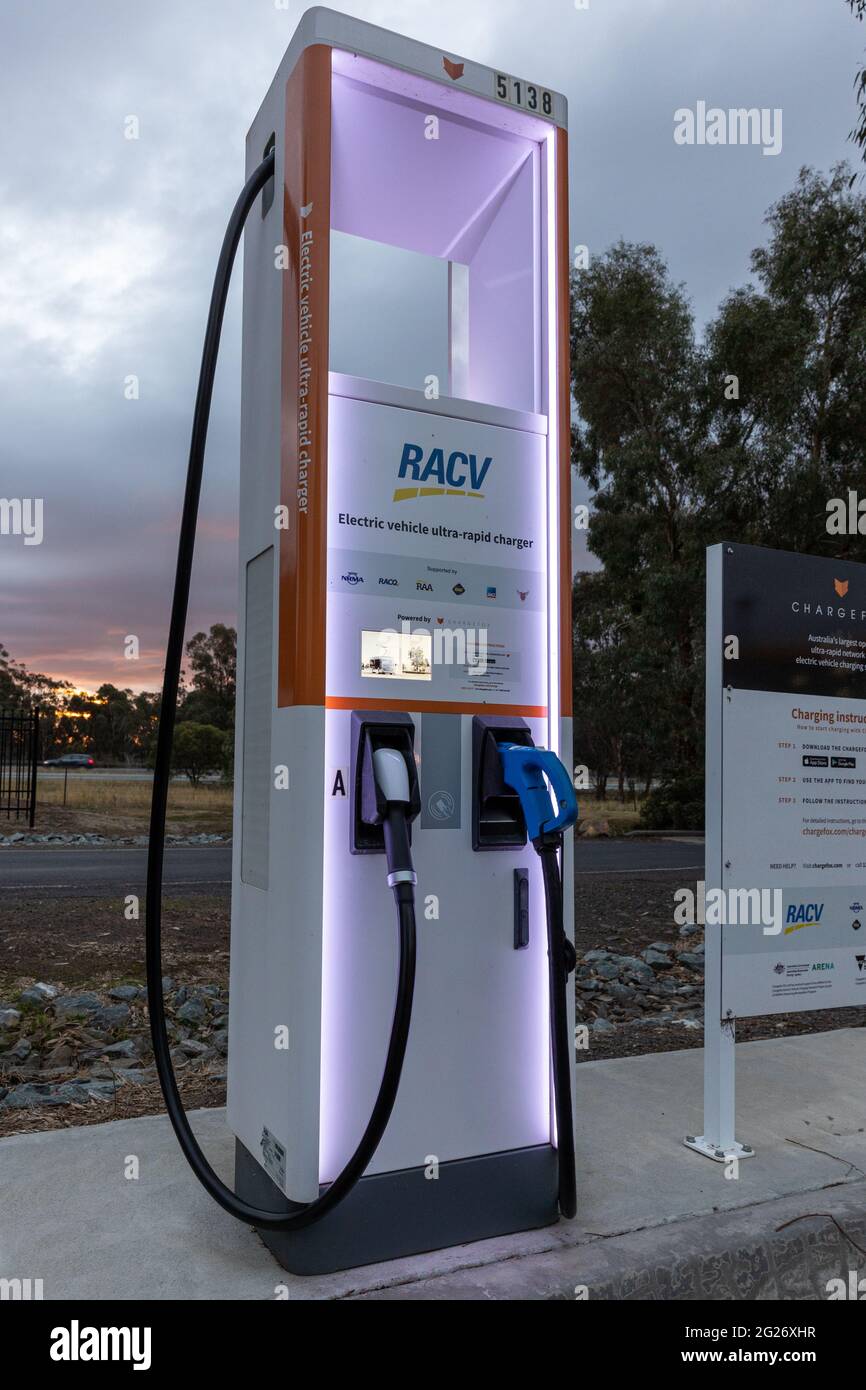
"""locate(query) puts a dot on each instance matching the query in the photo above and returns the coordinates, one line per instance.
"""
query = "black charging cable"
(560, 963)
(403, 889)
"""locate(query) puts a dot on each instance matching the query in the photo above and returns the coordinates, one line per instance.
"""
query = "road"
(96, 872)
(111, 774)
(101, 873)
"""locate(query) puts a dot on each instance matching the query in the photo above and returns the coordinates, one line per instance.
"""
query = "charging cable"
(399, 856)
(537, 775)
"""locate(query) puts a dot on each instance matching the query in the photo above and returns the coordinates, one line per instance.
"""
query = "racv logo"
(436, 474)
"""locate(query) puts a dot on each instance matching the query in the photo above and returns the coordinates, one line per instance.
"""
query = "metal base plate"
(388, 1215)
(710, 1150)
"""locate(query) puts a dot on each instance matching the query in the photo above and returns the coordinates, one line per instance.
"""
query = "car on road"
(70, 760)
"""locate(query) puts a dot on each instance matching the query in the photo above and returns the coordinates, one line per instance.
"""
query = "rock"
(192, 1048)
(666, 987)
(76, 1005)
(127, 1048)
(9, 1018)
(659, 960)
(691, 959)
(111, 1016)
(595, 829)
(167, 984)
(98, 1090)
(60, 1056)
(631, 963)
(602, 1026)
(125, 992)
(220, 1040)
(37, 995)
(193, 1011)
(21, 1051)
(31, 1094)
(607, 970)
(136, 1074)
(660, 946)
(624, 994)
(689, 929)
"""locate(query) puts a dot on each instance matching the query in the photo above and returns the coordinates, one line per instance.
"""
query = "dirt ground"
(78, 942)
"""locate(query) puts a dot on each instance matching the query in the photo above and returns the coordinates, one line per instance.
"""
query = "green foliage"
(676, 804)
(212, 658)
(197, 750)
(744, 436)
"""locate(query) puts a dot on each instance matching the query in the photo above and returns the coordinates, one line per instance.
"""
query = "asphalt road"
(98, 872)
(110, 774)
(102, 872)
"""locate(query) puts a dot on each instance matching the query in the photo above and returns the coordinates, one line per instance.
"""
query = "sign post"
(785, 802)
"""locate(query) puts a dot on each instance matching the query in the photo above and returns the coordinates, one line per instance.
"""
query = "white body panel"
(315, 950)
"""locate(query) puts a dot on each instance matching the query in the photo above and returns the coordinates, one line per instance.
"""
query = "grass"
(84, 793)
(123, 807)
(620, 815)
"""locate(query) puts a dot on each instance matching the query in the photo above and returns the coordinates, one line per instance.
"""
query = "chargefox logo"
(460, 475)
(841, 587)
(454, 70)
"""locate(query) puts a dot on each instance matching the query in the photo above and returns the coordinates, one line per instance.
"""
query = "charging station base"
(389, 1215)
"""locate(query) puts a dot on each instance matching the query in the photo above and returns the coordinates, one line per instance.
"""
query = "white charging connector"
(392, 779)
(392, 774)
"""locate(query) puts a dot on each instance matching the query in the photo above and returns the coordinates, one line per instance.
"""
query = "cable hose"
(558, 973)
(333, 1194)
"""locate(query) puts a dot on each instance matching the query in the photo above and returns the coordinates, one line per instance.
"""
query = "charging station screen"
(392, 655)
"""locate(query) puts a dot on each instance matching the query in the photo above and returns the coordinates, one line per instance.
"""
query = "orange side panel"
(304, 412)
(563, 350)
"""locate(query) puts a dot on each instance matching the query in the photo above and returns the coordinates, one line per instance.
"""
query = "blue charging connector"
(544, 786)
(546, 792)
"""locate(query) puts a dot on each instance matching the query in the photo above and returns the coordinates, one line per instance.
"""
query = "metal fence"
(19, 750)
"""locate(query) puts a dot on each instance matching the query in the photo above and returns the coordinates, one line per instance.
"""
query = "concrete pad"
(70, 1215)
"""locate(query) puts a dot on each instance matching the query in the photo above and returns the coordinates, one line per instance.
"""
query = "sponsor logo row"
(424, 586)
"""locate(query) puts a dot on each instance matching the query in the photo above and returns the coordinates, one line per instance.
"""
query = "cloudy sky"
(107, 245)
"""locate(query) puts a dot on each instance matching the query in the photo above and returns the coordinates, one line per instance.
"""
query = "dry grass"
(86, 793)
(123, 808)
(620, 815)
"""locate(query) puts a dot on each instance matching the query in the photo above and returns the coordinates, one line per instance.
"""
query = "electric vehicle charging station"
(404, 645)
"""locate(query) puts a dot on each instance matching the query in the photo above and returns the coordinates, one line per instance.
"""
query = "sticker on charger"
(274, 1158)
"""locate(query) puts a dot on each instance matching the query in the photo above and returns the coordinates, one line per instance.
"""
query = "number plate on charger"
(529, 97)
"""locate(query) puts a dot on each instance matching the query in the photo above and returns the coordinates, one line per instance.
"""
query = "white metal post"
(717, 1141)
